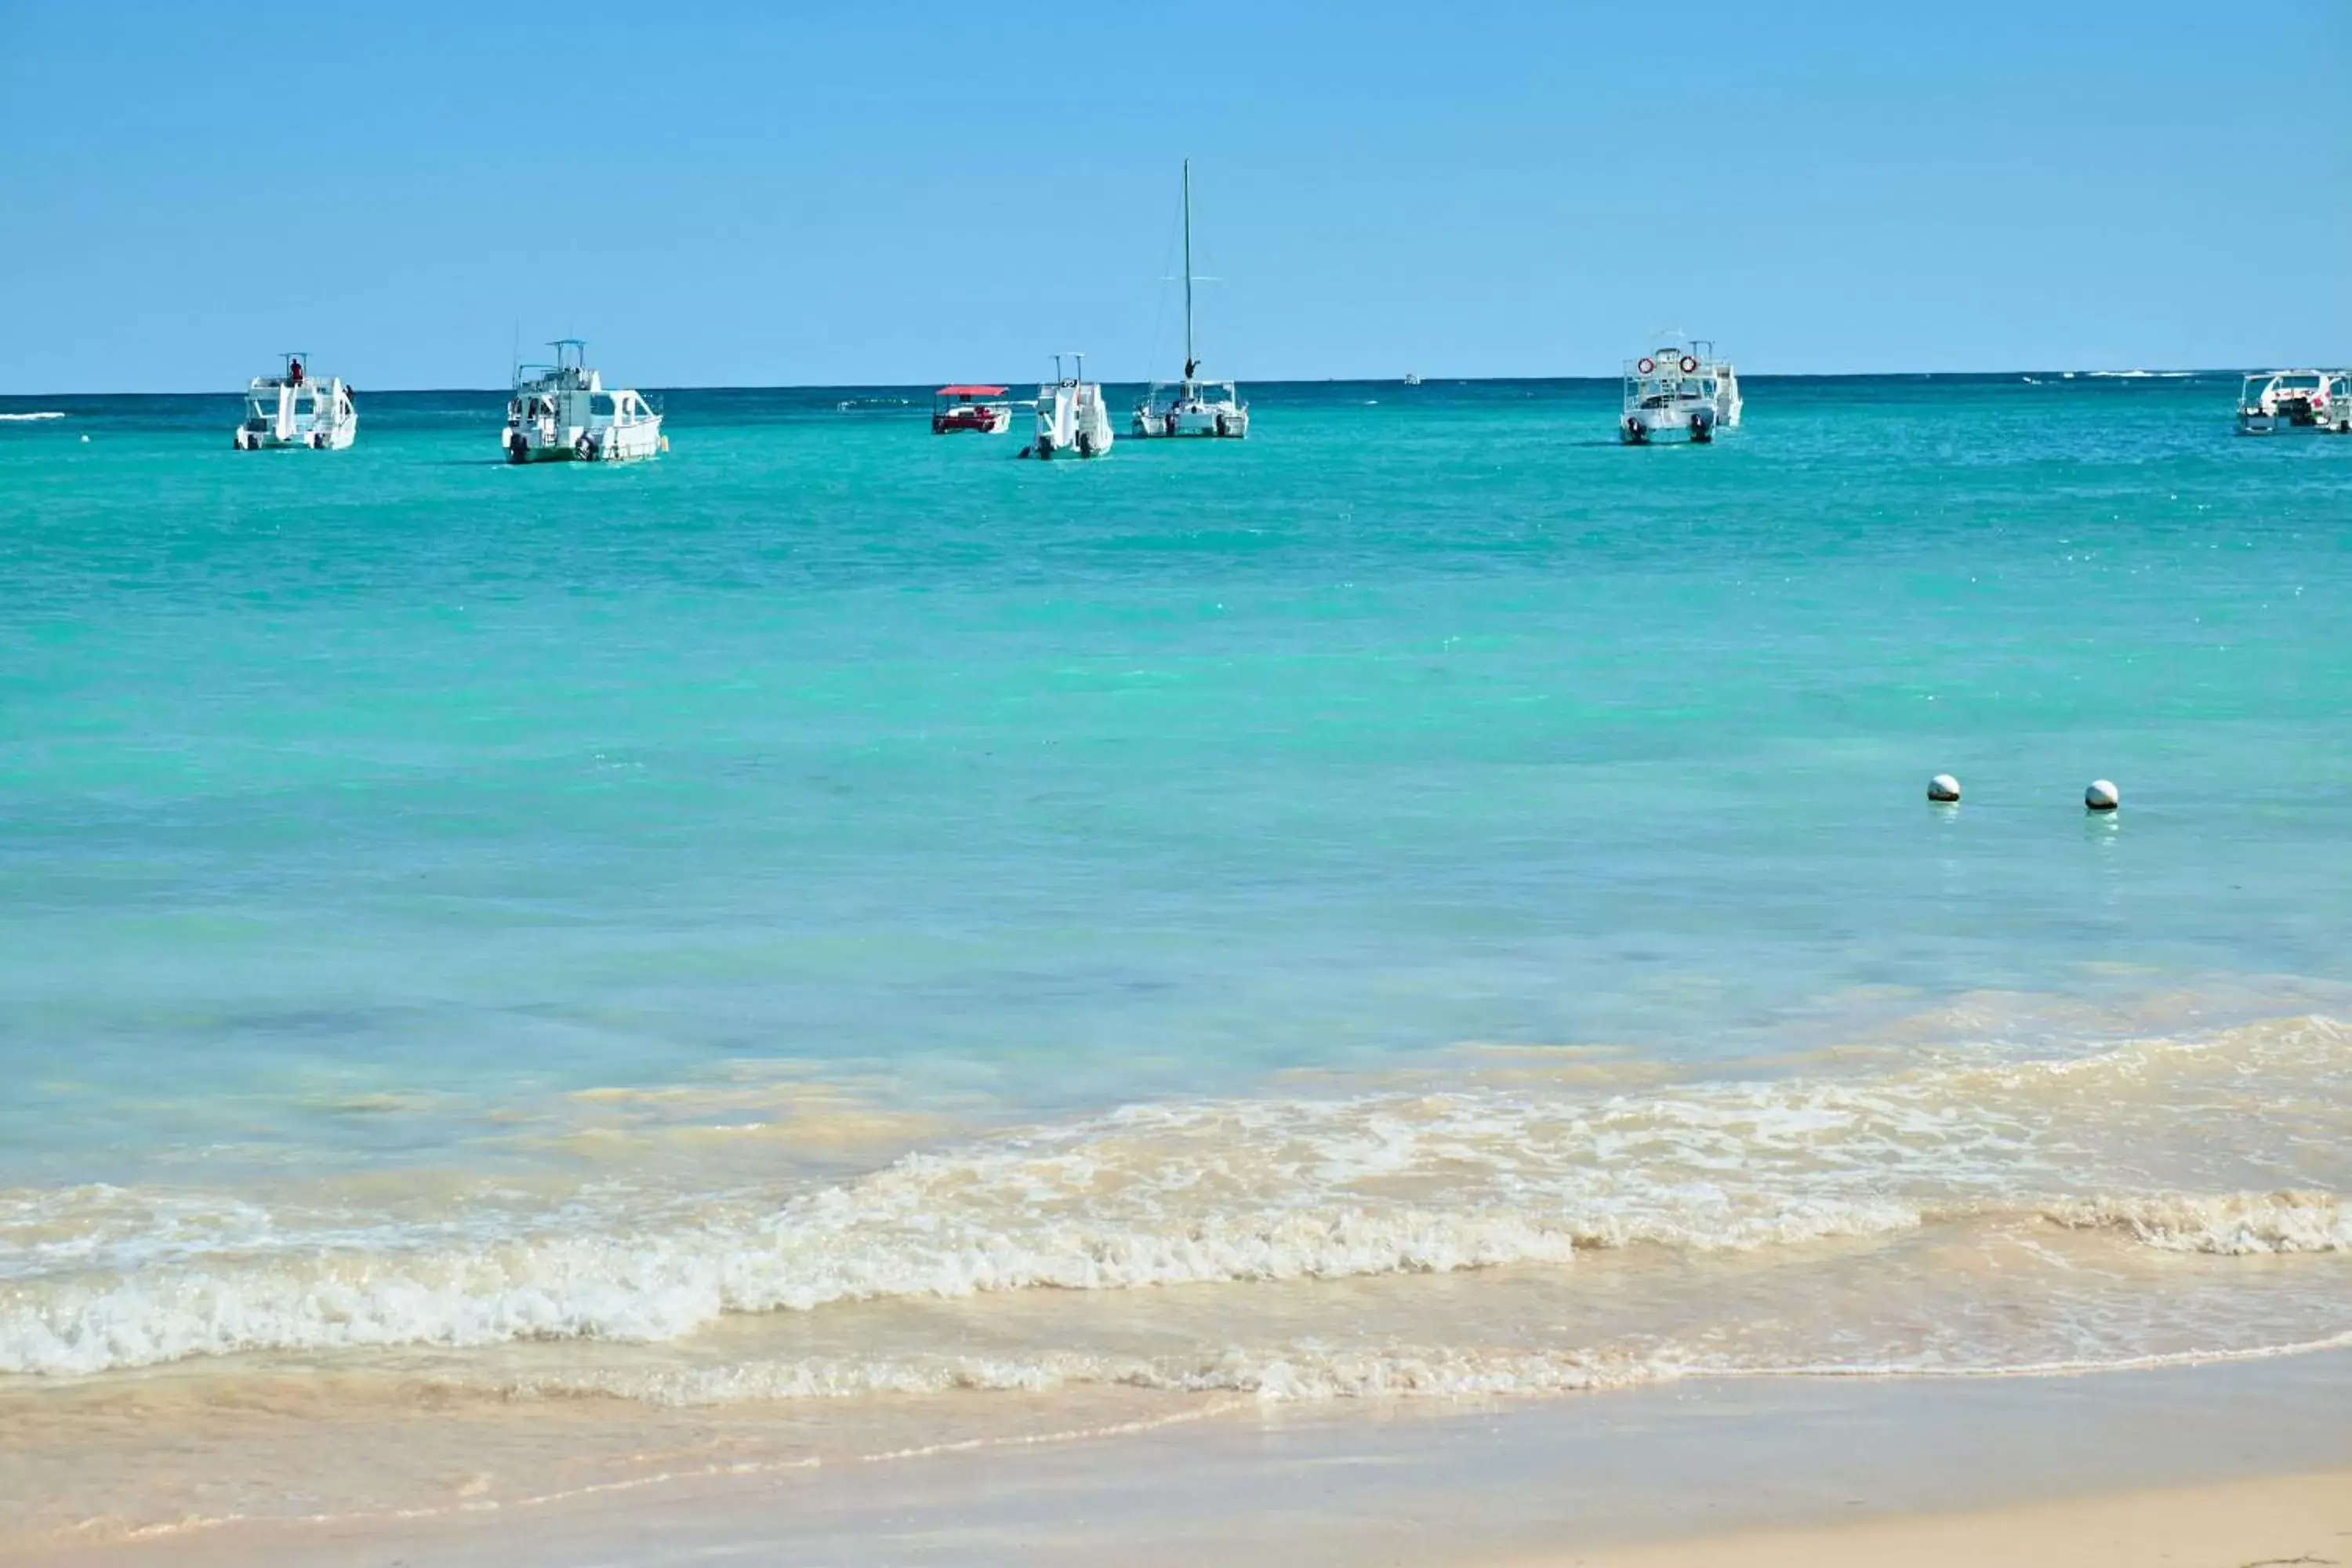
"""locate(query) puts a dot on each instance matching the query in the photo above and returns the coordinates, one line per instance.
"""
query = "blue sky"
(786, 194)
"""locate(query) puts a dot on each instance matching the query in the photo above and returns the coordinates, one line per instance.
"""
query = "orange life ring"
(1646, 366)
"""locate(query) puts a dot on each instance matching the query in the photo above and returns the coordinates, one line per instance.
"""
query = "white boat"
(2275, 402)
(1683, 391)
(1192, 407)
(563, 412)
(294, 408)
(1071, 415)
(1411, 379)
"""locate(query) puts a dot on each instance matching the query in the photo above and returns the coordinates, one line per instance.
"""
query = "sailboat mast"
(1189, 361)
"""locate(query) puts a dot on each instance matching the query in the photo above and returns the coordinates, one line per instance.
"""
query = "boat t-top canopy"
(971, 391)
(295, 372)
(570, 369)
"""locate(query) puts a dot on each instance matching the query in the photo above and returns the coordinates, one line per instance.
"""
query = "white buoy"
(2102, 795)
(1944, 789)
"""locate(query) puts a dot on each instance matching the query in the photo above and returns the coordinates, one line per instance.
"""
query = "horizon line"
(2130, 373)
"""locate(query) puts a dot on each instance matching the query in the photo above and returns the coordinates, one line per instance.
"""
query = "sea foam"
(1226, 1192)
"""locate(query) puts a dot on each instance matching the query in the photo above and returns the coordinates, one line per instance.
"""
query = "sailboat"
(1192, 407)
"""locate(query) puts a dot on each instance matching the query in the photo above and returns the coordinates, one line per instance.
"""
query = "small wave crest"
(36, 414)
(1292, 1372)
(2234, 1226)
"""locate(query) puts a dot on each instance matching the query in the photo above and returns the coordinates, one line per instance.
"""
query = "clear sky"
(791, 193)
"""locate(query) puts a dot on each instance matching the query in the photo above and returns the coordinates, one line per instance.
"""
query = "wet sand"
(2225, 1465)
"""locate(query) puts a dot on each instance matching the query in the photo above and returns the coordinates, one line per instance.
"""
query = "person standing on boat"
(294, 371)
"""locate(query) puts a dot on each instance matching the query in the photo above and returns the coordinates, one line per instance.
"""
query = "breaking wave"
(2234, 1226)
(1230, 1193)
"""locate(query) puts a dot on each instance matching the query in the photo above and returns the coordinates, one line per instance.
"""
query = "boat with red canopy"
(980, 409)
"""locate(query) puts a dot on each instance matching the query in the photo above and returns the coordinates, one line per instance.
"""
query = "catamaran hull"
(1215, 426)
(310, 440)
(1090, 447)
(1650, 429)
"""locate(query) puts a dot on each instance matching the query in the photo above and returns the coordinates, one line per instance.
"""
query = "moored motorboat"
(563, 412)
(1682, 392)
(1191, 406)
(1071, 415)
(2278, 402)
(295, 408)
(974, 410)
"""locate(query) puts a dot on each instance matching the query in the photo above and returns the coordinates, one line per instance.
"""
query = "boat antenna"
(1190, 365)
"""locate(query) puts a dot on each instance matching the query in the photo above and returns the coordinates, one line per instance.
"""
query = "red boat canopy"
(971, 392)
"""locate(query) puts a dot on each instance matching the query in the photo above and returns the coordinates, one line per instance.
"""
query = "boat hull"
(2335, 422)
(1665, 428)
(1213, 426)
(1092, 446)
(995, 422)
(331, 440)
(607, 444)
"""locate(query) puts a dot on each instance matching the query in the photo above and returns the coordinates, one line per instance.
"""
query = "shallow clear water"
(601, 913)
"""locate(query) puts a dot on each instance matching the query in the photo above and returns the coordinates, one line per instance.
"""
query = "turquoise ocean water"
(1422, 900)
